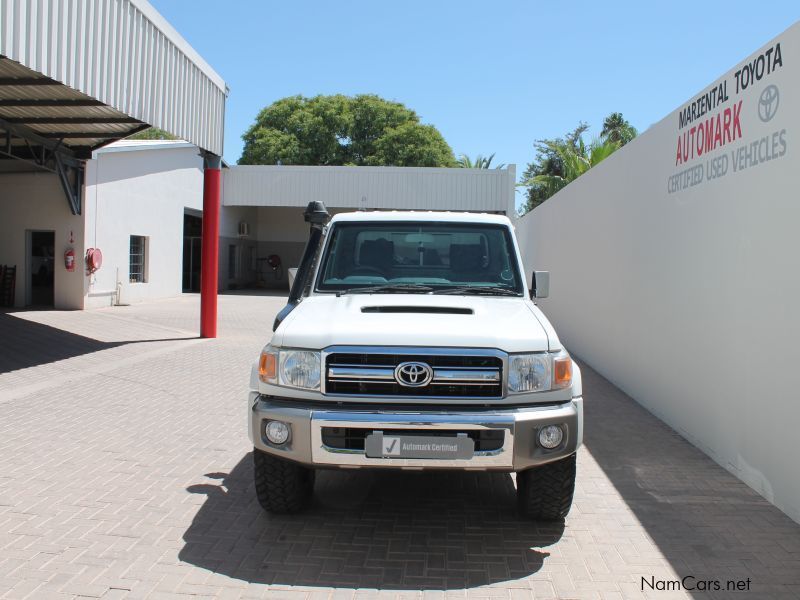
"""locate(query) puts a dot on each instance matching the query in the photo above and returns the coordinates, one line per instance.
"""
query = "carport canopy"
(75, 76)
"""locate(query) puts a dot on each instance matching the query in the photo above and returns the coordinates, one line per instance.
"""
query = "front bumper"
(520, 449)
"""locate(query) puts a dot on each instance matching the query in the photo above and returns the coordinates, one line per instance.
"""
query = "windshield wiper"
(479, 290)
(389, 288)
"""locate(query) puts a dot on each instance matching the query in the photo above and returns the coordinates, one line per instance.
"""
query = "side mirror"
(540, 284)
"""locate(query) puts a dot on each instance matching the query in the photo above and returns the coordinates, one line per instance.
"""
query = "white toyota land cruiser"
(410, 341)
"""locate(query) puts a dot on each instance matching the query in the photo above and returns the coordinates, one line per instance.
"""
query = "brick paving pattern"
(125, 472)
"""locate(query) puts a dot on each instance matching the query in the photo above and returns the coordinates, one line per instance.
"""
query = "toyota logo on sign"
(768, 103)
(413, 374)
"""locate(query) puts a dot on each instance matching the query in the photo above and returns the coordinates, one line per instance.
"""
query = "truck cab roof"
(414, 215)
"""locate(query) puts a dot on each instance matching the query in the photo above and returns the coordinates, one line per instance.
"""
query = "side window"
(232, 261)
(251, 258)
(137, 268)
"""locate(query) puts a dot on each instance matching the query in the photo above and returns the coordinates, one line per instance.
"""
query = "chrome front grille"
(456, 372)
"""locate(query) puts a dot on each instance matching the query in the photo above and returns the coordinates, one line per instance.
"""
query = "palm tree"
(576, 158)
(480, 162)
(617, 129)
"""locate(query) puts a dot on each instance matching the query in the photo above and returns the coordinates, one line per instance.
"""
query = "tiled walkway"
(125, 473)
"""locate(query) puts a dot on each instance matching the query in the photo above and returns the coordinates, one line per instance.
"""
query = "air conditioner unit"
(244, 229)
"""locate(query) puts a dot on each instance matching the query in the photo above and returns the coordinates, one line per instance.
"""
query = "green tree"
(562, 160)
(575, 161)
(411, 145)
(343, 130)
(480, 162)
(152, 133)
(547, 161)
(617, 129)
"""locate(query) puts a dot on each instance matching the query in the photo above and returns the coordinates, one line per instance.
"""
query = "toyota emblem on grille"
(413, 374)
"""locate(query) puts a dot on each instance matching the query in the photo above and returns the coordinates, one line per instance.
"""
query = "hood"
(506, 323)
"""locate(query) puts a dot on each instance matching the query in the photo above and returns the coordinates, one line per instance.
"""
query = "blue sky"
(492, 76)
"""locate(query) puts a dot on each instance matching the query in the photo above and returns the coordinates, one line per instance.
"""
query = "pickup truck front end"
(430, 356)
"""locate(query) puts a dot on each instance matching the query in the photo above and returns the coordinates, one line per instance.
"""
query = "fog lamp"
(550, 436)
(277, 432)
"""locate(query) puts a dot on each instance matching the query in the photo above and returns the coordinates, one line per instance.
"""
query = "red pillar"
(209, 274)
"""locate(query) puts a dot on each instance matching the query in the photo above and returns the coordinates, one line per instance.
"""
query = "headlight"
(539, 372)
(300, 369)
(291, 368)
(529, 373)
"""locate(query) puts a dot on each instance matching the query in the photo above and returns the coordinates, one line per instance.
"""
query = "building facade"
(262, 231)
(143, 207)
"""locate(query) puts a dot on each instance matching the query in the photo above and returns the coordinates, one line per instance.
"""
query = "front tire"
(545, 493)
(282, 486)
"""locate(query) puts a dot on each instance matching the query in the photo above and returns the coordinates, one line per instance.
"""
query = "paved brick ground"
(125, 473)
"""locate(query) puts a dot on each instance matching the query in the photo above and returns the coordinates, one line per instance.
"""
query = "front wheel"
(545, 493)
(282, 486)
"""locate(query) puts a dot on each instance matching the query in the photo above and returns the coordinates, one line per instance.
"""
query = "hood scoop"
(429, 310)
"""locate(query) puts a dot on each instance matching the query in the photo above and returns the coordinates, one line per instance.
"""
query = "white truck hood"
(506, 323)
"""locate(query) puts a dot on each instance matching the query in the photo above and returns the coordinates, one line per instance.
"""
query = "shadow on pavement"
(25, 343)
(370, 529)
(707, 523)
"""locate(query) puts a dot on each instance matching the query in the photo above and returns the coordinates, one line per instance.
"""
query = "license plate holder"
(455, 447)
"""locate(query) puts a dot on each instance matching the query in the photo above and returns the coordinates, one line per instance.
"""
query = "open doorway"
(41, 268)
(192, 232)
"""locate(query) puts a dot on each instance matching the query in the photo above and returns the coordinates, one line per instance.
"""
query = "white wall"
(231, 216)
(687, 297)
(140, 192)
(245, 271)
(282, 224)
(36, 201)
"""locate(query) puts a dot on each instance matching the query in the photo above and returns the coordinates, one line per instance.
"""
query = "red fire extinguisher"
(69, 259)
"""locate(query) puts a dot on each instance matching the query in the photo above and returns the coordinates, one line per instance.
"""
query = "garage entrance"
(41, 267)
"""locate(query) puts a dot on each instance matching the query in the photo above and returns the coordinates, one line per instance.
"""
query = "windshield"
(419, 257)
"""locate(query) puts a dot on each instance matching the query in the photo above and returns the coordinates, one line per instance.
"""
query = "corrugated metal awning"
(76, 75)
(117, 55)
(56, 112)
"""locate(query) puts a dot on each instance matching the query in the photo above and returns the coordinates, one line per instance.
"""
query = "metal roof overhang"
(75, 76)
